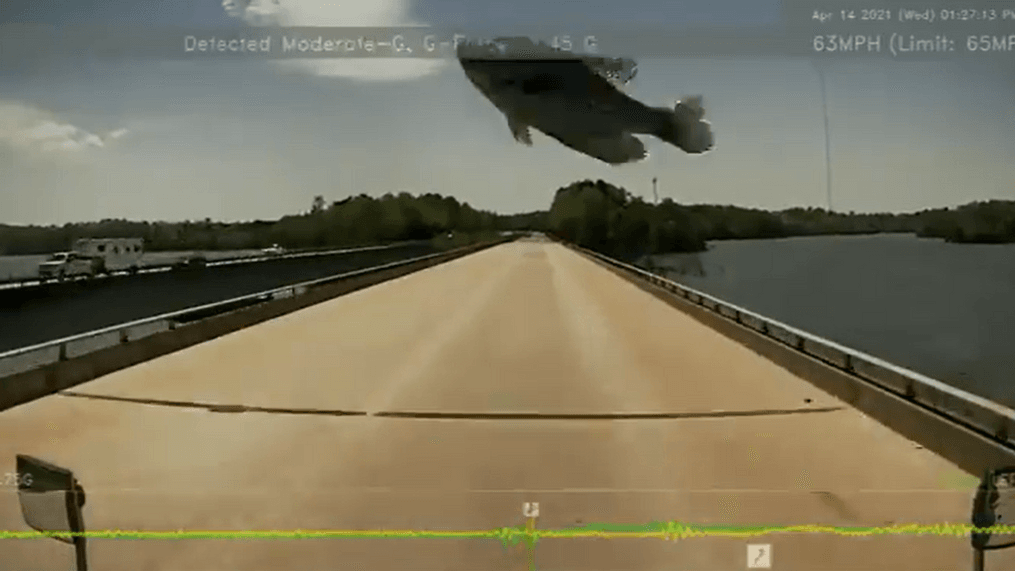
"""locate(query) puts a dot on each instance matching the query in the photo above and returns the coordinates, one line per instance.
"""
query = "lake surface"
(944, 310)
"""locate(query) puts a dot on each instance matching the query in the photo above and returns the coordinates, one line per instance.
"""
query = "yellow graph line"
(529, 533)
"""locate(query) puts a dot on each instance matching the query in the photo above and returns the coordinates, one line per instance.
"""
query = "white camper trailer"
(116, 254)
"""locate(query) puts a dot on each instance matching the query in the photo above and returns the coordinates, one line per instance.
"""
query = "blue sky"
(84, 139)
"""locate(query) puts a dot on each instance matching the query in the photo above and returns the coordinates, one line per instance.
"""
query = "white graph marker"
(759, 556)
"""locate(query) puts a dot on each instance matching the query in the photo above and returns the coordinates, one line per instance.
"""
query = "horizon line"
(522, 213)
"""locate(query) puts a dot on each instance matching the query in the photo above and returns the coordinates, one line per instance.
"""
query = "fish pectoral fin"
(520, 131)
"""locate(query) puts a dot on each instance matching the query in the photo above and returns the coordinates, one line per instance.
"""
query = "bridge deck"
(526, 327)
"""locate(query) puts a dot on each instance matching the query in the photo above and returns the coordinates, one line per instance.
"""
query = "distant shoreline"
(613, 221)
(594, 214)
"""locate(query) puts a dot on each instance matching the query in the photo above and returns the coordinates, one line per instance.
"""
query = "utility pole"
(828, 145)
(654, 193)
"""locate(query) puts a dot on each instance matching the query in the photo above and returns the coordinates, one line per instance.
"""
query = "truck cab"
(62, 265)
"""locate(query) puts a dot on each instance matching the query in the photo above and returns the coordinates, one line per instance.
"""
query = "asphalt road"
(39, 314)
(525, 327)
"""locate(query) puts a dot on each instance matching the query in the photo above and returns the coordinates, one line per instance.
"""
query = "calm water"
(944, 310)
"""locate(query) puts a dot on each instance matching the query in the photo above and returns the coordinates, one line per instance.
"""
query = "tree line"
(355, 221)
(594, 214)
(609, 219)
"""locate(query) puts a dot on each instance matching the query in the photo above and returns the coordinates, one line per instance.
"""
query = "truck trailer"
(117, 254)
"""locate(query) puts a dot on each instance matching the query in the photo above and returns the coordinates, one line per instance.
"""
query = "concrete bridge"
(446, 392)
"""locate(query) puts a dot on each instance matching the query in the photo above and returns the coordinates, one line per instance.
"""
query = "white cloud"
(49, 131)
(348, 13)
(92, 140)
(28, 127)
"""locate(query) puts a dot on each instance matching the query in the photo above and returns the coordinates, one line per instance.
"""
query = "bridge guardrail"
(984, 416)
(35, 356)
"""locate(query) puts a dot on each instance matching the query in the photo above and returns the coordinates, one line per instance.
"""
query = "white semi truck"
(93, 256)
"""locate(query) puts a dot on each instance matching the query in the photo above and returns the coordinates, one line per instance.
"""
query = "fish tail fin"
(686, 127)
(692, 106)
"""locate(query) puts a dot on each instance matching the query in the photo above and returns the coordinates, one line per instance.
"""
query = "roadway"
(525, 327)
(39, 314)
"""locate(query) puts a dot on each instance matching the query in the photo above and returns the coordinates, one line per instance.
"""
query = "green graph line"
(509, 536)
(529, 534)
